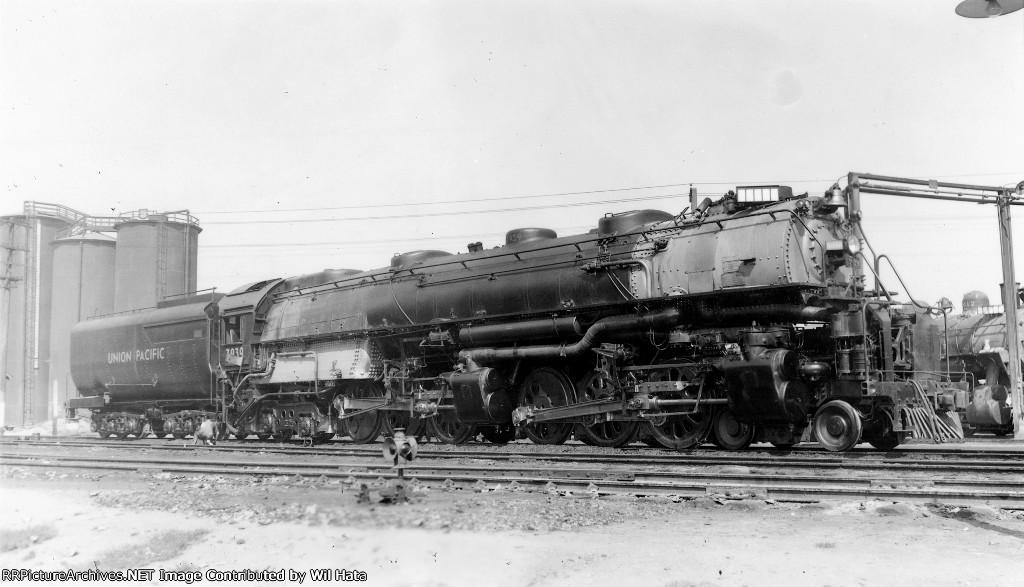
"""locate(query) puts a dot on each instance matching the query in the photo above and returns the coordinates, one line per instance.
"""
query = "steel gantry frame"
(1002, 198)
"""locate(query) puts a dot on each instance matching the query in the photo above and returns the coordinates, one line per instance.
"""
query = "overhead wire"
(448, 212)
(573, 193)
(464, 201)
(497, 198)
(376, 242)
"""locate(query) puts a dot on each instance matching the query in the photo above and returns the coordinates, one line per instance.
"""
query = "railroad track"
(529, 449)
(1003, 488)
(955, 462)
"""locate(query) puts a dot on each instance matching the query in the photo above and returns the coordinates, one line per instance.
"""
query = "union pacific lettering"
(155, 353)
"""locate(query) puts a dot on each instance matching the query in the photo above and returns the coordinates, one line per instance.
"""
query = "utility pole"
(8, 250)
(1003, 198)
(1010, 307)
(5, 321)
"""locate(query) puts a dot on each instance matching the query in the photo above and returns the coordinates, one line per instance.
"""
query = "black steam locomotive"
(977, 352)
(739, 320)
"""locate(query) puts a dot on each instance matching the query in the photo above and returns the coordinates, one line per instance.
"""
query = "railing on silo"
(179, 216)
(58, 211)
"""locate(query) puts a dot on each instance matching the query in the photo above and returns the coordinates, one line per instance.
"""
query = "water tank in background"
(26, 260)
(83, 287)
(156, 257)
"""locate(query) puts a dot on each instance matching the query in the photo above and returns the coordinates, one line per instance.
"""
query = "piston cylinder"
(767, 386)
(480, 396)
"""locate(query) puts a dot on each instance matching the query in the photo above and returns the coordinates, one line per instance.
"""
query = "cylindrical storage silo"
(83, 287)
(27, 270)
(156, 257)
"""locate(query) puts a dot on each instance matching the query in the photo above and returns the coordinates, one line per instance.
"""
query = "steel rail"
(826, 460)
(733, 486)
(708, 453)
(467, 449)
(250, 467)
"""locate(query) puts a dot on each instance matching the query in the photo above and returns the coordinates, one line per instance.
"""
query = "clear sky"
(308, 135)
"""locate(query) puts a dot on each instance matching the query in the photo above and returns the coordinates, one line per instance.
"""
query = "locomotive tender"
(740, 320)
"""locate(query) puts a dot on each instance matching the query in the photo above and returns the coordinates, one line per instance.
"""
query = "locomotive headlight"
(852, 245)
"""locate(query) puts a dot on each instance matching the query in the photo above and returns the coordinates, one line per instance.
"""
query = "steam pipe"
(234, 390)
(660, 321)
(266, 373)
(779, 312)
(532, 329)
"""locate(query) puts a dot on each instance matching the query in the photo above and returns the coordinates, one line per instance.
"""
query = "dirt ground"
(489, 537)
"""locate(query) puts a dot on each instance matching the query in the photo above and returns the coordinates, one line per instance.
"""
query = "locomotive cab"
(243, 314)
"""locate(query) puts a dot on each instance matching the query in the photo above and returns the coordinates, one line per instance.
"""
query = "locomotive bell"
(833, 200)
(400, 450)
(945, 304)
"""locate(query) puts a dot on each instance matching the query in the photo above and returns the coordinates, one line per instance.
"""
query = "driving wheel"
(364, 427)
(396, 419)
(682, 431)
(447, 428)
(609, 433)
(543, 388)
